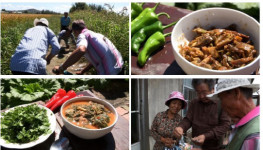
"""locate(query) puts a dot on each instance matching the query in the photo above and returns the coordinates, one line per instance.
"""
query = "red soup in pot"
(88, 114)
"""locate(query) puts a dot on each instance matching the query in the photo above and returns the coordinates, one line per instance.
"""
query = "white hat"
(42, 20)
(228, 84)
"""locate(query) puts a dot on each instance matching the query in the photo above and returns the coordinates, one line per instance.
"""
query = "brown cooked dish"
(219, 49)
(88, 114)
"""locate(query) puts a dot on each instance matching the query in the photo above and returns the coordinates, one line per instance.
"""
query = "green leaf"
(24, 124)
(15, 92)
(27, 90)
(246, 5)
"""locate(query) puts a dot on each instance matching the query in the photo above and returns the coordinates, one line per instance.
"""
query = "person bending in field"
(64, 35)
(30, 55)
(97, 49)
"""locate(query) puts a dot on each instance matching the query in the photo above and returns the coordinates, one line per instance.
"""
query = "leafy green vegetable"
(83, 84)
(24, 124)
(21, 91)
(251, 9)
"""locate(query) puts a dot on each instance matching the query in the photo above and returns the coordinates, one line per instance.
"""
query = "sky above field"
(57, 7)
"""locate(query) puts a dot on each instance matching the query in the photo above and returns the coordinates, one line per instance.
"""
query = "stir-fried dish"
(219, 49)
(88, 114)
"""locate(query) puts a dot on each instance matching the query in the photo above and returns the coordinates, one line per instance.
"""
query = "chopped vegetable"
(88, 114)
(24, 124)
(219, 49)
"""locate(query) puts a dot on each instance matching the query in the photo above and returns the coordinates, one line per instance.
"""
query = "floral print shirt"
(164, 127)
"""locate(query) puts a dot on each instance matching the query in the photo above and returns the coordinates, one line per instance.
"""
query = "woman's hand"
(178, 132)
(168, 142)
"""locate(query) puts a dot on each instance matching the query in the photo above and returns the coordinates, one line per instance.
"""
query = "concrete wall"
(158, 92)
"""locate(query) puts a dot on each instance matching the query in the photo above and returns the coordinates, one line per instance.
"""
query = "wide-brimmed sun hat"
(176, 95)
(229, 84)
(42, 20)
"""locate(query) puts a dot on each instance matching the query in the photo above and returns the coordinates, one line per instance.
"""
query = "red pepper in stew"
(60, 93)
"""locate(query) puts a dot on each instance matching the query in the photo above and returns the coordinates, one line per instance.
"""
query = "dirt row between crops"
(62, 57)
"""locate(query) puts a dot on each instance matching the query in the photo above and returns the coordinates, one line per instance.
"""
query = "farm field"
(13, 27)
(112, 25)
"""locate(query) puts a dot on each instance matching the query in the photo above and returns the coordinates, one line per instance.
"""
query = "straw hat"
(176, 95)
(229, 84)
(42, 20)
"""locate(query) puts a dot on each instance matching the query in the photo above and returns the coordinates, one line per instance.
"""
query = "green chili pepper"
(146, 17)
(145, 32)
(153, 43)
(136, 9)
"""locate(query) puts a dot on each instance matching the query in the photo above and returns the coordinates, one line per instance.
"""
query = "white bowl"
(86, 133)
(42, 138)
(219, 18)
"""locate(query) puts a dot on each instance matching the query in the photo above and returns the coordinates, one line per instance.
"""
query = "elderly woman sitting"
(165, 122)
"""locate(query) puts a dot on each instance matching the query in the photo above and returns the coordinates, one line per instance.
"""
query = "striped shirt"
(100, 52)
(31, 52)
(252, 141)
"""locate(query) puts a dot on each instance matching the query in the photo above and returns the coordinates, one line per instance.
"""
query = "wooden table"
(117, 139)
(162, 62)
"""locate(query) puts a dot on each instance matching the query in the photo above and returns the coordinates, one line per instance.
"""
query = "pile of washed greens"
(24, 124)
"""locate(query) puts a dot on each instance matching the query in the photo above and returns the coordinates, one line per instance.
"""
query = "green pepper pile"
(145, 26)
